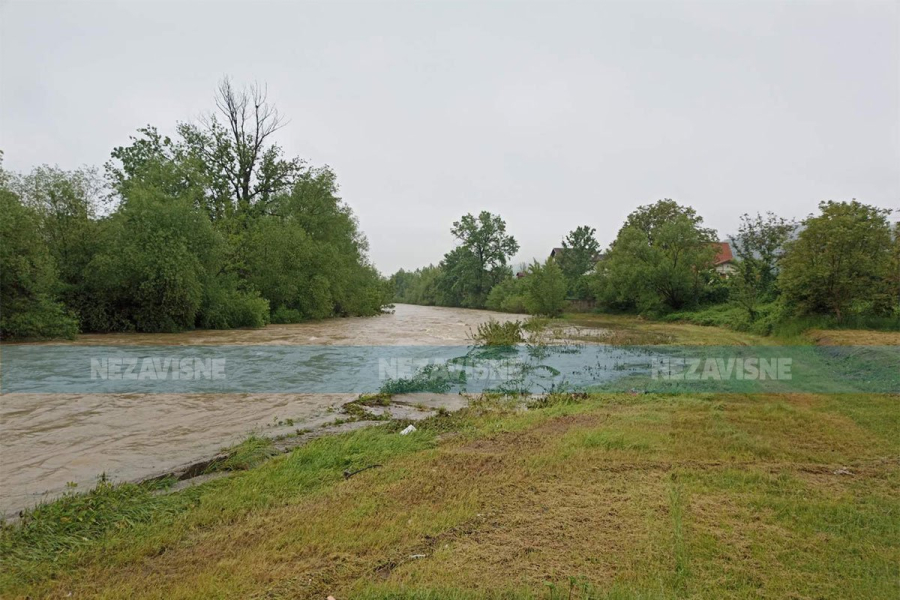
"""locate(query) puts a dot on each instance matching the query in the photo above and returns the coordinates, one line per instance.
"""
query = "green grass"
(774, 321)
(580, 496)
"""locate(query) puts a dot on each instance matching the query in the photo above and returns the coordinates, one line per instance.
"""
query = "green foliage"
(434, 378)
(418, 287)
(508, 296)
(309, 255)
(211, 229)
(579, 255)
(469, 271)
(758, 246)
(661, 259)
(28, 277)
(156, 255)
(225, 306)
(841, 262)
(545, 289)
(495, 333)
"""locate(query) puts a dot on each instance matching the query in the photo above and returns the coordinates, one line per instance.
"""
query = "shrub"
(41, 319)
(285, 315)
(545, 289)
(228, 308)
(495, 333)
(507, 296)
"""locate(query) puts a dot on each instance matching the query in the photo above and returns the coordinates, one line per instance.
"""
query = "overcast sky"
(553, 115)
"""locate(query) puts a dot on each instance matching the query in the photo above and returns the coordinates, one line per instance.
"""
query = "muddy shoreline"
(50, 440)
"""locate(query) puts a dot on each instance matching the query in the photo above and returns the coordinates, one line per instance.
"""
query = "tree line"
(212, 228)
(843, 263)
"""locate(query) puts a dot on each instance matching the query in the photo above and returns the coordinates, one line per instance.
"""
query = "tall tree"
(759, 245)
(243, 166)
(66, 204)
(579, 255)
(481, 259)
(840, 262)
(650, 218)
(662, 257)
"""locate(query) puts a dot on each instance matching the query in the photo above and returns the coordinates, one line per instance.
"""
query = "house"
(724, 260)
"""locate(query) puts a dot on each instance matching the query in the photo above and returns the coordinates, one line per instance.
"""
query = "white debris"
(408, 430)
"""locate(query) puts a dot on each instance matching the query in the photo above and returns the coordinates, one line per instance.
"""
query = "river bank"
(52, 440)
(597, 496)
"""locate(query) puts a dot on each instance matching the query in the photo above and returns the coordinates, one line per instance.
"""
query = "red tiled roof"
(723, 253)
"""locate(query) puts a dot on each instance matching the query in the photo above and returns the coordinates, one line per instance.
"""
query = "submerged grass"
(580, 496)
(496, 333)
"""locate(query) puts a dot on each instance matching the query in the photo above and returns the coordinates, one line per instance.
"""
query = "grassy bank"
(712, 328)
(600, 496)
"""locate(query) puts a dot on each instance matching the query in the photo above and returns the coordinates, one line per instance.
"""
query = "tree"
(661, 257)
(651, 218)
(308, 257)
(151, 269)
(419, 287)
(66, 204)
(244, 169)
(840, 262)
(28, 277)
(283, 229)
(480, 261)
(545, 289)
(759, 246)
(894, 278)
(579, 255)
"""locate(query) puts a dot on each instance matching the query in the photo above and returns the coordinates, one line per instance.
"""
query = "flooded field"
(49, 440)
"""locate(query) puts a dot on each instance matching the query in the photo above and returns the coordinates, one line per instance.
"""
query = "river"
(48, 440)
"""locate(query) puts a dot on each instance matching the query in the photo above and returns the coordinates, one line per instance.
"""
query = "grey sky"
(553, 115)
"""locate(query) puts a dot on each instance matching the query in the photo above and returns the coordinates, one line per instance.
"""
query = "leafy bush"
(285, 315)
(495, 333)
(430, 378)
(507, 296)
(545, 289)
(41, 319)
(717, 315)
(226, 307)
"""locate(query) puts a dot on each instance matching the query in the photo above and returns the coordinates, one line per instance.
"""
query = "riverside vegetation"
(839, 268)
(570, 495)
(214, 228)
(567, 495)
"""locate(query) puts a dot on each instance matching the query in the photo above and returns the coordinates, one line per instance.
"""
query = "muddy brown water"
(50, 440)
